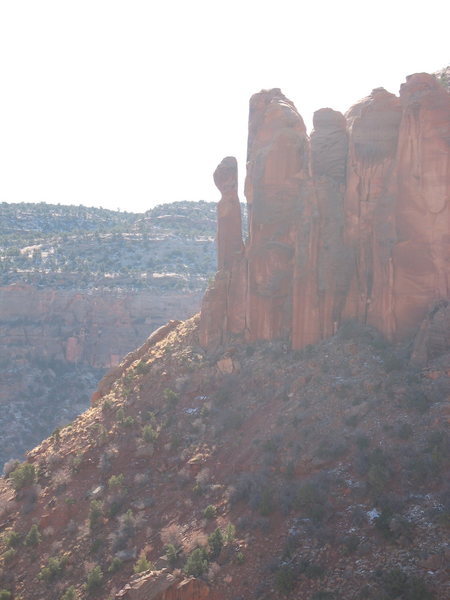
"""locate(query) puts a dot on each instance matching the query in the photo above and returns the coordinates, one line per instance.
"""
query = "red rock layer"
(351, 223)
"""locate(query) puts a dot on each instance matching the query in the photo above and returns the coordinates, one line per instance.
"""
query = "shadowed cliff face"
(352, 223)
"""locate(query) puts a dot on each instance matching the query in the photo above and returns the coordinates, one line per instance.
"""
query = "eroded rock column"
(422, 254)
(277, 175)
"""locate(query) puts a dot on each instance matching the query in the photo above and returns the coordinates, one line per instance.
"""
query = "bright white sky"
(131, 103)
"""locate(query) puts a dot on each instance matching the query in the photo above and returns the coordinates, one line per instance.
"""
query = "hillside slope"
(326, 471)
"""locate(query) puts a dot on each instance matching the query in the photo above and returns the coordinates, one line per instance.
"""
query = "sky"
(127, 104)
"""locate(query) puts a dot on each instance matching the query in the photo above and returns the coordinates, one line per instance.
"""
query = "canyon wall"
(352, 222)
(55, 344)
(92, 328)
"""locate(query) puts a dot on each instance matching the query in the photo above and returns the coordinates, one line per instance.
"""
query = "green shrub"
(171, 553)
(69, 594)
(95, 513)
(116, 565)
(5, 595)
(107, 405)
(115, 481)
(196, 564)
(229, 533)
(22, 476)
(142, 368)
(12, 539)
(170, 397)
(142, 564)
(94, 580)
(9, 556)
(149, 434)
(285, 579)
(33, 537)
(76, 463)
(215, 543)
(53, 569)
(210, 512)
(56, 435)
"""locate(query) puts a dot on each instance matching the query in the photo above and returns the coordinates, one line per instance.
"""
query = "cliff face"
(55, 344)
(351, 223)
(95, 328)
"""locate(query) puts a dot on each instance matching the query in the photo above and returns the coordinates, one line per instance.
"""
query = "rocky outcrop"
(162, 585)
(352, 223)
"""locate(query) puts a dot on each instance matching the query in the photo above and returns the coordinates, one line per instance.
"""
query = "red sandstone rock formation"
(351, 224)
(373, 126)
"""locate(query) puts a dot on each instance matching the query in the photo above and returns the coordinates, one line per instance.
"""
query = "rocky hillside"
(81, 287)
(263, 472)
